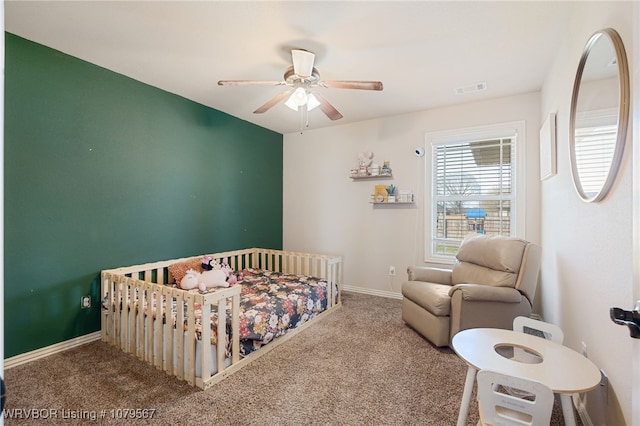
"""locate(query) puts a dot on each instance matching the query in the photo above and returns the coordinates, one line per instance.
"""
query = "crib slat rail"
(190, 374)
(180, 304)
(156, 322)
(167, 363)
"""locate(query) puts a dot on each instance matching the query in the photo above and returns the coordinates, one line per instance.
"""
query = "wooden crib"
(142, 313)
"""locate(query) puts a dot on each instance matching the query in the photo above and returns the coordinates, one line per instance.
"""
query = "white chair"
(538, 328)
(498, 408)
(544, 330)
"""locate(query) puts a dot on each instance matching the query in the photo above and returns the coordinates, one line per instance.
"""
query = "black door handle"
(629, 318)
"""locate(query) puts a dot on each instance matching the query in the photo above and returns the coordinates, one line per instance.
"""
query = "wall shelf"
(407, 199)
(392, 203)
(368, 176)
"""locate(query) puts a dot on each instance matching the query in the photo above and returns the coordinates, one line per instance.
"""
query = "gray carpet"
(360, 365)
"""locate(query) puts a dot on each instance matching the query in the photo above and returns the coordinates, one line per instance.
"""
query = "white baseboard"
(381, 293)
(50, 350)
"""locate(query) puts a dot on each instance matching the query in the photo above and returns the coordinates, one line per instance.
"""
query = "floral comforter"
(271, 303)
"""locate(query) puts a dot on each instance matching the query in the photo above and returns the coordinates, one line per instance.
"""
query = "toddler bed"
(202, 337)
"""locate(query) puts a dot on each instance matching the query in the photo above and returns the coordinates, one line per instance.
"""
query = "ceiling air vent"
(471, 88)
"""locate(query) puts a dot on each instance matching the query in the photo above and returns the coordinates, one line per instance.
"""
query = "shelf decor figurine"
(404, 196)
(391, 194)
(380, 194)
(386, 170)
(365, 158)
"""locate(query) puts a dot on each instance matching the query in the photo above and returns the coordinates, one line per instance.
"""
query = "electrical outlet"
(392, 271)
(584, 350)
(85, 302)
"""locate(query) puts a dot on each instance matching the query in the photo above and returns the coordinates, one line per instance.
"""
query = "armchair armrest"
(430, 275)
(477, 305)
(486, 293)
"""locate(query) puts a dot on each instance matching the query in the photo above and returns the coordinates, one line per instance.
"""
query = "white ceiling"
(420, 50)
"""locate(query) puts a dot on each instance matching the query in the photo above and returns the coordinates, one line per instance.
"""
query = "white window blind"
(594, 148)
(473, 191)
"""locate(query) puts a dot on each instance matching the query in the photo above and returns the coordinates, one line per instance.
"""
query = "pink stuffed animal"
(235, 278)
(206, 263)
(232, 278)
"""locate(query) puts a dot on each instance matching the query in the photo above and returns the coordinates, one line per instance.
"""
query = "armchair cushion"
(430, 296)
(489, 259)
(469, 273)
(493, 251)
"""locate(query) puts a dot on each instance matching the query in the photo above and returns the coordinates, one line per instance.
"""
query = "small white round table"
(560, 368)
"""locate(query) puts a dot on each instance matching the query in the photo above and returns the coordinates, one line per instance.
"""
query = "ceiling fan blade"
(302, 62)
(360, 85)
(250, 83)
(273, 101)
(326, 107)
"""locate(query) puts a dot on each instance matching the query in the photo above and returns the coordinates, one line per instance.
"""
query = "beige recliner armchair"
(493, 280)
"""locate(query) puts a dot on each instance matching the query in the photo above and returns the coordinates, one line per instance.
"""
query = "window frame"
(469, 134)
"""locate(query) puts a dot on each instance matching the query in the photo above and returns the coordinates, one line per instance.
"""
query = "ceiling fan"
(303, 79)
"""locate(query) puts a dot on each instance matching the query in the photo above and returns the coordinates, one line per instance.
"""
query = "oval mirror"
(599, 115)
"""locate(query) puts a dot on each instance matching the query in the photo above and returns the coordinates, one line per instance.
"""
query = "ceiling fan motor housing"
(303, 62)
(293, 79)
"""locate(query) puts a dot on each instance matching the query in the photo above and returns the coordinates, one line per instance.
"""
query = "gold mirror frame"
(622, 114)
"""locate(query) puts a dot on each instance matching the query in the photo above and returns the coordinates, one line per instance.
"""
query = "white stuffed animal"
(190, 280)
(213, 278)
(204, 280)
(365, 158)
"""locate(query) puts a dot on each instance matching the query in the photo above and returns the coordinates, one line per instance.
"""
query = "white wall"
(587, 248)
(326, 211)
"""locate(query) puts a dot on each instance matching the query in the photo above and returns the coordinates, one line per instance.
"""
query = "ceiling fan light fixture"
(299, 98)
(312, 102)
(291, 103)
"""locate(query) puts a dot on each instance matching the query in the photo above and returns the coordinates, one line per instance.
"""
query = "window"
(472, 187)
(595, 142)
(594, 148)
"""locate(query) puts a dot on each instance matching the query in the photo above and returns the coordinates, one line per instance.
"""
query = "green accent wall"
(103, 171)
